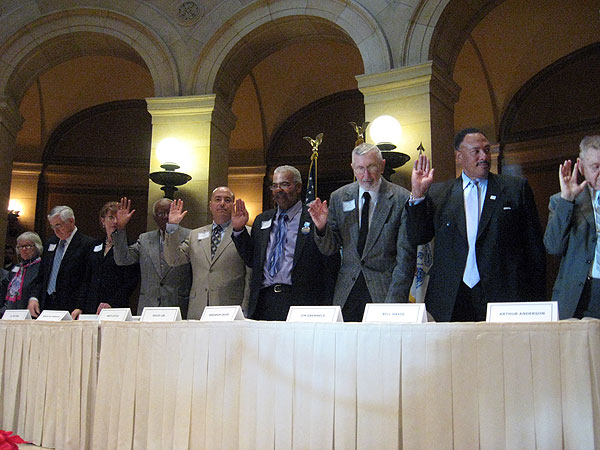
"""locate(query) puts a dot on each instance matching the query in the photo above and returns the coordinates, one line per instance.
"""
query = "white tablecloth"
(259, 385)
(48, 376)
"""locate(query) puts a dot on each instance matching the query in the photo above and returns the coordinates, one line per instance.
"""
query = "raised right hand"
(422, 177)
(319, 212)
(123, 213)
(239, 216)
(569, 189)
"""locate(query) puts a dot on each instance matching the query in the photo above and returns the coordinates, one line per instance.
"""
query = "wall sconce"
(14, 209)
(169, 178)
(386, 131)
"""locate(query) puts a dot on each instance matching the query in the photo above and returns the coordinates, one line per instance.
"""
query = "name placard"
(395, 312)
(222, 313)
(522, 312)
(115, 315)
(90, 317)
(161, 314)
(50, 315)
(314, 314)
(16, 314)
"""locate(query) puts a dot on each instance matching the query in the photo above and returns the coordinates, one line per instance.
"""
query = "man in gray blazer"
(572, 232)
(161, 285)
(220, 276)
(367, 219)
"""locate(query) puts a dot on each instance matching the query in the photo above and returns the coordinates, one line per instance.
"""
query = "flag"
(311, 185)
(421, 279)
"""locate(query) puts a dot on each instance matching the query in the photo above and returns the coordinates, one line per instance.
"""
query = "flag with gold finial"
(311, 184)
(421, 278)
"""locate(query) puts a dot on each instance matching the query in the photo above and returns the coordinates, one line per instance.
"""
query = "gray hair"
(365, 148)
(32, 237)
(291, 169)
(64, 212)
(589, 143)
(157, 202)
(222, 187)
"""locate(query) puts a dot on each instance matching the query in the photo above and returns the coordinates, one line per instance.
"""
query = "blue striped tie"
(58, 256)
(276, 258)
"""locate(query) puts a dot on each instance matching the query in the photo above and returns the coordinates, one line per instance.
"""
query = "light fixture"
(386, 132)
(168, 150)
(14, 208)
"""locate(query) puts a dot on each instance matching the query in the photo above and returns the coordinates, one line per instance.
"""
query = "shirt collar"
(71, 236)
(374, 192)
(291, 212)
(466, 180)
(223, 225)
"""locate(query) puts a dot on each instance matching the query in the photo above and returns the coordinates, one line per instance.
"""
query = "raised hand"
(176, 212)
(422, 177)
(569, 189)
(124, 213)
(319, 212)
(239, 216)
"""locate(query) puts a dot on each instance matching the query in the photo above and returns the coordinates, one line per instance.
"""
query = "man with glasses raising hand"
(368, 221)
(287, 267)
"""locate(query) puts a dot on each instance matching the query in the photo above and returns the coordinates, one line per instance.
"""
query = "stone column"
(422, 99)
(10, 123)
(203, 125)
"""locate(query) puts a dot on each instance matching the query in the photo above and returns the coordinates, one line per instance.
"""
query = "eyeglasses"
(285, 185)
(110, 218)
(373, 168)
(162, 214)
(25, 247)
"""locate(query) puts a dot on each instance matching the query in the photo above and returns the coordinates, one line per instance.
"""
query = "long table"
(261, 385)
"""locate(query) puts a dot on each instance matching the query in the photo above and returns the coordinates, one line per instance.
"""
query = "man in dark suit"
(572, 233)
(367, 219)
(287, 267)
(60, 279)
(488, 240)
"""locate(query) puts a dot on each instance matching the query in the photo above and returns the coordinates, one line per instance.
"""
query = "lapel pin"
(306, 228)
(492, 197)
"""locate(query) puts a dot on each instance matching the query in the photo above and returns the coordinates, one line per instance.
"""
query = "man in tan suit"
(220, 276)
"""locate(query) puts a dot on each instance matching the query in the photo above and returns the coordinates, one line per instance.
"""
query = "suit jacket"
(222, 280)
(26, 290)
(571, 234)
(71, 275)
(309, 273)
(388, 259)
(509, 248)
(167, 287)
(106, 282)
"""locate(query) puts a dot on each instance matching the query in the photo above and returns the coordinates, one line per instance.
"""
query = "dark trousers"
(273, 303)
(359, 296)
(470, 304)
(589, 302)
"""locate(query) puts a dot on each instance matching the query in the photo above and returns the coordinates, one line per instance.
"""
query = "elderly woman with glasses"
(106, 285)
(19, 280)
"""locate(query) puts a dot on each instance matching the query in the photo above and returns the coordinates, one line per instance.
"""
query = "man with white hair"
(572, 233)
(62, 273)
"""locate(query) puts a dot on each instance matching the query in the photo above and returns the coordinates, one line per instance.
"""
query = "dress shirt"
(374, 193)
(595, 196)
(284, 276)
(483, 182)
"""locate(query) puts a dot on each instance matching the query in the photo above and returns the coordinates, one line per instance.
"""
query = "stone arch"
(236, 43)
(68, 34)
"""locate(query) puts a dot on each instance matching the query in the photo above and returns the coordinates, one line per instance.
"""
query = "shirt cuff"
(415, 201)
(172, 228)
(237, 233)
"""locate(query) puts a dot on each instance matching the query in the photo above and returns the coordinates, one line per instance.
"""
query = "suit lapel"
(454, 204)
(263, 235)
(154, 250)
(584, 204)
(301, 237)
(351, 217)
(493, 198)
(205, 243)
(380, 215)
(225, 242)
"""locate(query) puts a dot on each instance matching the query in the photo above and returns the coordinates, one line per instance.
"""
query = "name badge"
(16, 314)
(51, 247)
(348, 206)
(203, 235)
(115, 315)
(160, 314)
(314, 314)
(522, 312)
(97, 248)
(49, 315)
(222, 313)
(265, 224)
(395, 312)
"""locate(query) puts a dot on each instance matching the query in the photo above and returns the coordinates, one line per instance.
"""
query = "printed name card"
(160, 314)
(522, 312)
(54, 316)
(115, 315)
(89, 317)
(314, 314)
(395, 312)
(16, 314)
(222, 313)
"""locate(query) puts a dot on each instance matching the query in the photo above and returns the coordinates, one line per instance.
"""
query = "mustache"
(483, 163)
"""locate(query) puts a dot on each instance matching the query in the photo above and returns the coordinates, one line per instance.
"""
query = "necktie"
(276, 258)
(58, 256)
(364, 224)
(471, 275)
(215, 240)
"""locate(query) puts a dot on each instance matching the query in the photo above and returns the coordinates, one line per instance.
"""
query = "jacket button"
(588, 262)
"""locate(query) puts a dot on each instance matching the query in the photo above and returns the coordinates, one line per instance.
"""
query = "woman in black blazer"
(107, 285)
(18, 282)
